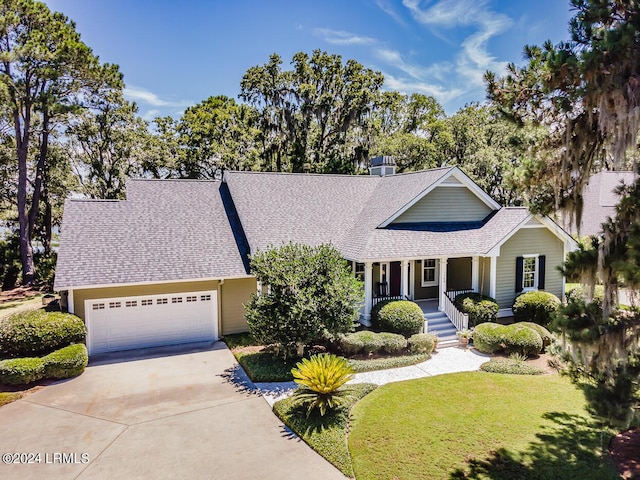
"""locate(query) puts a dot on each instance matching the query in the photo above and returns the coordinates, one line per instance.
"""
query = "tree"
(108, 145)
(311, 293)
(217, 133)
(310, 114)
(586, 94)
(44, 67)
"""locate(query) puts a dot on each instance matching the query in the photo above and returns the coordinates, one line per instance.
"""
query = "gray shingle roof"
(166, 230)
(347, 211)
(599, 202)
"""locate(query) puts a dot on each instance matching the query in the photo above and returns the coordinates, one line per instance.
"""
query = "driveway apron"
(174, 412)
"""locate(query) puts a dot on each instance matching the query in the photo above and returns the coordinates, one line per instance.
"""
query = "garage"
(126, 323)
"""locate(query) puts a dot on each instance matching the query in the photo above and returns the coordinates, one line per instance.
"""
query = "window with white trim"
(205, 298)
(429, 272)
(359, 271)
(529, 272)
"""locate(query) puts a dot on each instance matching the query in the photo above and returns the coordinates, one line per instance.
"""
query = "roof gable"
(453, 178)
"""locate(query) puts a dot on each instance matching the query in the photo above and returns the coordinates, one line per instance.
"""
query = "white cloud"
(340, 37)
(402, 85)
(474, 58)
(151, 114)
(145, 96)
(386, 7)
(419, 72)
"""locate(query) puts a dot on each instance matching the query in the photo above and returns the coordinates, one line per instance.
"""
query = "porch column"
(70, 305)
(442, 282)
(475, 268)
(368, 290)
(412, 280)
(493, 276)
(404, 278)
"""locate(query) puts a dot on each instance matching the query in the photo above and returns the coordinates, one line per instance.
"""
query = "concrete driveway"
(172, 413)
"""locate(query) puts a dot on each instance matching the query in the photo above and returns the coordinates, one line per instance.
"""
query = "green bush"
(371, 342)
(488, 337)
(518, 338)
(392, 342)
(422, 342)
(20, 371)
(537, 307)
(480, 308)
(510, 366)
(38, 332)
(398, 316)
(67, 362)
(545, 334)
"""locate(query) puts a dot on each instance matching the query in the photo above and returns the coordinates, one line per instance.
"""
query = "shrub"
(320, 378)
(580, 292)
(363, 341)
(67, 362)
(537, 307)
(422, 342)
(480, 308)
(392, 342)
(37, 332)
(510, 366)
(399, 316)
(312, 294)
(519, 338)
(488, 337)
(20, 371)
(545, 334)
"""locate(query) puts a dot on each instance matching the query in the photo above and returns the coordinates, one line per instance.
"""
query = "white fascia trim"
(559, 232)
(419, 257)
(459, 175)
(130, 284)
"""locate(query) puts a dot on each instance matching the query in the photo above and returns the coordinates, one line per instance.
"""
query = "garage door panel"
(150, 320)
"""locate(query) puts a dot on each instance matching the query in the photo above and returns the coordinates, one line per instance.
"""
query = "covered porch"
(432, 283)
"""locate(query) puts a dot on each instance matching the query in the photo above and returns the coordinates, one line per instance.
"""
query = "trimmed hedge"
(38, 332)
(20, 371)
(511, 367)
(537, 307)
(64, 363)
(515, 338)
(67, 362)
(480, 308)
(371, 342)
(422, 342)
(488, 337)
(545, 334)
(398, 316)
(518, 338)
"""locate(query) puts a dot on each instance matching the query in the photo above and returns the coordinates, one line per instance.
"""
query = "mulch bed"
(625, 453)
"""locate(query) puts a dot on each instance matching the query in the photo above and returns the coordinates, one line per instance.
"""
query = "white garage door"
(126, 323)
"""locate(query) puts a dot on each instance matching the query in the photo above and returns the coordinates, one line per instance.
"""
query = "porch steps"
(439, 323)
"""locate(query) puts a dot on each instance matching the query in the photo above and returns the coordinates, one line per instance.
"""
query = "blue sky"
(177, 53)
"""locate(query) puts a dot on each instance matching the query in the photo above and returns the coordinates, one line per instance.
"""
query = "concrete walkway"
(445, 360)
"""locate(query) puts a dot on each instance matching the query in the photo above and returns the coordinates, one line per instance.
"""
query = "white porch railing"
(460, 320)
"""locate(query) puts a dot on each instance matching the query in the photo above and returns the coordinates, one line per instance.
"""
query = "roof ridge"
(201, 180)
(96, 200)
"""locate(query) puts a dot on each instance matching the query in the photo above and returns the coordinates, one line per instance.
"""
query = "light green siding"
(446, 204)
(420, 292)
(528, 241)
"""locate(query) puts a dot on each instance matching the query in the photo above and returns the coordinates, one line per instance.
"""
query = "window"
(530, 272)
(359, 271)
(176, 300)
(147, 302)
(98, 306)
(161, 301)
(192, 299)
(429, 272)
(131, 303)
(205, 298)
(115, 304)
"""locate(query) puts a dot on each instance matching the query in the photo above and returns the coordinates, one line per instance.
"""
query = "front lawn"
(478, 425)
(8, 397)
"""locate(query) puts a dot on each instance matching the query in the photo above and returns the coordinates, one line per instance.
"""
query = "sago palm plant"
(319, 379)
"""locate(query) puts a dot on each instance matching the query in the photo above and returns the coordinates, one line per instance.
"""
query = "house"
(169, 263)
(599, 202)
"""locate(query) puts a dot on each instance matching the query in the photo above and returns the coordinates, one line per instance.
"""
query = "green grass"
(8, 397)
(240, 340)
(478, 425)
(326, 435)
(14, 306)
